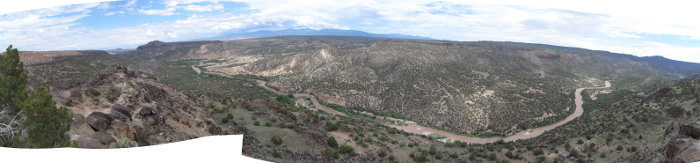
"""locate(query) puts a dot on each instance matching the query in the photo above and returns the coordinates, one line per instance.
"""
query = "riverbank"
(415, 128)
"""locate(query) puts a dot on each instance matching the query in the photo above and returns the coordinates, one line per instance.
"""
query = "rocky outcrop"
(684, 147)
(121, 109)
(99, 121)
(690, 129)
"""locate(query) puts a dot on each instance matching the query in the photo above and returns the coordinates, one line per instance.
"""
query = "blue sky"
(666, 28)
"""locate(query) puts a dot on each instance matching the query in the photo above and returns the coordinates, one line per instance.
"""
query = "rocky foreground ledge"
(684, 147)
(123, 109)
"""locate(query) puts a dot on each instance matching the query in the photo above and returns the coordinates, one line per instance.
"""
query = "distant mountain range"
(311, 32)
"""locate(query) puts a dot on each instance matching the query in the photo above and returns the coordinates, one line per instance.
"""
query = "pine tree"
(12, 80)
(47, 124)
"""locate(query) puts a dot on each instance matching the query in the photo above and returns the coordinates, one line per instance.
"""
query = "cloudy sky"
(668, 28)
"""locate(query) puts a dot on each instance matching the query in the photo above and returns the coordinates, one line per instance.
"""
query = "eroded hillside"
(483, 88)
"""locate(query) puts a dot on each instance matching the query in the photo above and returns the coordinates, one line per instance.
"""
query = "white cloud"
(203, 8)
(130, 3)
(592, 24)
(26, 5)
(165, 12)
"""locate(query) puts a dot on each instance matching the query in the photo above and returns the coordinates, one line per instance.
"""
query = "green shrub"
(331, 153)
(345, 149)
(276, 140)
(275, 153)
(537, 152)
(382, 153)
(330, 126)
(432, 150)
(285, 100)
(454, 155)
(420, 158)
(122, 143)
(332, 142)
(224, 120)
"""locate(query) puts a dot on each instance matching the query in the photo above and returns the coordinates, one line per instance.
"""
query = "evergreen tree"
(12, 80)
(47, 124)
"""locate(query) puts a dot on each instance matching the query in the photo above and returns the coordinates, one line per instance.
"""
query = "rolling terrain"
(641, 118)
(475, 88)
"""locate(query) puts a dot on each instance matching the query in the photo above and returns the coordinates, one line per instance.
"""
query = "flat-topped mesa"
(157, 48)
(37, 57)
(154, 43)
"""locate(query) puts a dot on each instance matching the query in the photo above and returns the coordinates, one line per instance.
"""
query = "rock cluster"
(684, 147)
(121, 109)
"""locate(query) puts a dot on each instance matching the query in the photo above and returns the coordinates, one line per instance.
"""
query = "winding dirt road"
(415, 128)
(313, 99)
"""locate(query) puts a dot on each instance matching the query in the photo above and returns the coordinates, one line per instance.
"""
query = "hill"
(480, 88)
(311, 32)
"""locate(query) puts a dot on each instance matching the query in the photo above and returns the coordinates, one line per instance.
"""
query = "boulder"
(122, 109)
(99, 121)
(75, 94)
(120, 116)
(690, 129)
(123, 130)
(80, 126)
(684, 147)
(140, 136)
(86, 142)
(92, 92)
(104, 137)
(77, 120)
(147, 111)
(681, 149)
(62, 100)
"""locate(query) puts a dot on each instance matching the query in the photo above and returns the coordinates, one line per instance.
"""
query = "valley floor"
(415, 128)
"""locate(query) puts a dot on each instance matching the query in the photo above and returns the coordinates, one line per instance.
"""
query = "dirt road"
(415, 128)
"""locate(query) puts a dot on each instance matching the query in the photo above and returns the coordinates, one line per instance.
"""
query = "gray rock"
(77, 120)
(123, 130)
(86, 142)
(690, 129)
(120, 116)
(92, 92)
(62, 100)
(75, 93)
(104, 137)
(99, 121)
(147, 111)
(122, 109)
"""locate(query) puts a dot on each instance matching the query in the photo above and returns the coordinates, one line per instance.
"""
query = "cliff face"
(121, 109)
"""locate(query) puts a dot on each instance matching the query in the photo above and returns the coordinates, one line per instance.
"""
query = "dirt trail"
(196, 69)
(415, 128)
(313, 99)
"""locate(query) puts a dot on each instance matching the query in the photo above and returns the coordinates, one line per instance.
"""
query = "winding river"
(415, 128)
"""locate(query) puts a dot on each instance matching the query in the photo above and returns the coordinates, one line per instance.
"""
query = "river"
(415, 128)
